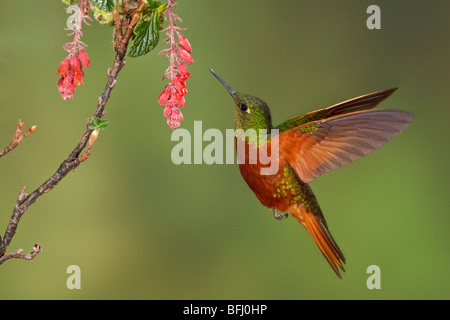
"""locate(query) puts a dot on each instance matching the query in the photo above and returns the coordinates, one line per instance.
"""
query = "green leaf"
(146, 35)
(104, 5)
(153, 3)
(98, 124)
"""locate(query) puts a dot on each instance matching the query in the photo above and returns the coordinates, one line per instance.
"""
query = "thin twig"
(18, 254)
(18, 137)
(74, 159)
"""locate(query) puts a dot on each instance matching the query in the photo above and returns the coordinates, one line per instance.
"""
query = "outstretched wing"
(324, 145)
(364, 102)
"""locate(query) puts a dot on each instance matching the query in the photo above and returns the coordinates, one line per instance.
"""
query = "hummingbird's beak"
(230, 90)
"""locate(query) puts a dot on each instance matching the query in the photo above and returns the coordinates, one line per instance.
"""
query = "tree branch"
(24, 201)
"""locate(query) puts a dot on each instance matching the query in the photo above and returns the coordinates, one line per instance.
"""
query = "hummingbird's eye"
(243, 107)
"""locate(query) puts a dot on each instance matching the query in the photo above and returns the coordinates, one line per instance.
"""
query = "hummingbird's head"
(249, 112)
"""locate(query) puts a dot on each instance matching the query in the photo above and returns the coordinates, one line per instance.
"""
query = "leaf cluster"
(98, 124)
(146, 33)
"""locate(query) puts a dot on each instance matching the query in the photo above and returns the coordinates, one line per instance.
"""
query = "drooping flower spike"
(179, 54)
(71, 68)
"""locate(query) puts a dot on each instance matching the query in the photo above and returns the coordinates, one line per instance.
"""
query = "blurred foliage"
(148, 229)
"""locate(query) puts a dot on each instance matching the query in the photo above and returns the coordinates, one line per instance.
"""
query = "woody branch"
(24, 201)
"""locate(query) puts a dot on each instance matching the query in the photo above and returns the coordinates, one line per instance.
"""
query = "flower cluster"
(179, 55)
(71, 72)
(71, 68)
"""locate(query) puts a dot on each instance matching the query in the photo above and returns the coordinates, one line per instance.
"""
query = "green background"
(141, 227)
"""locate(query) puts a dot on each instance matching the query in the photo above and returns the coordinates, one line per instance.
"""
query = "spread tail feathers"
(316, 225)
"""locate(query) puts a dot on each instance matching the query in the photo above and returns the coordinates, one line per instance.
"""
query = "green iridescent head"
(250, 112)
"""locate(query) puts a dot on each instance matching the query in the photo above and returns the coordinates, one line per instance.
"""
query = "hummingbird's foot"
(279, 217)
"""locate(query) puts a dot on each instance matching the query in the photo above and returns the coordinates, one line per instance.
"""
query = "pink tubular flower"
(71, 68)
(172, 97)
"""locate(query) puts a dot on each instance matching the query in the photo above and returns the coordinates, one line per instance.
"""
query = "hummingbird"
(308, 146)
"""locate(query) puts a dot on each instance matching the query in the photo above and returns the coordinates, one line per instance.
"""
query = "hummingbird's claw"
(279, 217)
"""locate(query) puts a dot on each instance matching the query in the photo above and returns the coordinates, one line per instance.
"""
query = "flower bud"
(179, 115)
(181, 101)
(63, 67)
(75, 65)
(164, 96)
(173, 123)
(185, 56)
(82, 55)
(184, 43)
(66, 96)
(182, 68)
(167, 111)
(182, 71)
(67, 81)
(181, 86)
(78, 78)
